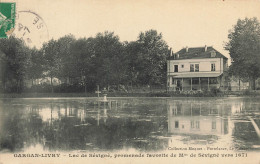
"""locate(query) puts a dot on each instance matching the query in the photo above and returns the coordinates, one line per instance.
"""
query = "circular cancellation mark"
(31, 28)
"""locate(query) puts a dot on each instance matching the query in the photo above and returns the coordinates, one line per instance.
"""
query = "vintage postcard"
(133, 81)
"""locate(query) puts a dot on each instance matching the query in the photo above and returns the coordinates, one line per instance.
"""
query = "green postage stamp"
(7, 19)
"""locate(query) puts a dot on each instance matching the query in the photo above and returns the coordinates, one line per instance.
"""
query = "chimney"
(206, 48)
(187, 49)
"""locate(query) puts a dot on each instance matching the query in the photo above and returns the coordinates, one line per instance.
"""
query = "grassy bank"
(123, 94)
(39, 95)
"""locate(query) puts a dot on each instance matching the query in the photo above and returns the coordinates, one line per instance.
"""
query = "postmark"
(7, 19)
(31, 28)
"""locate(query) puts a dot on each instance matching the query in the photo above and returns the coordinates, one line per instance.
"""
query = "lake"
(140, 124)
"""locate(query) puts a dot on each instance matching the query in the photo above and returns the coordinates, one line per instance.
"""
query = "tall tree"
(17, 59)
(51, 59)
(108, 58)
(133, 50)
(35, 66)
(81, 61)
(244, 49)
(65, 57)
(148, 58)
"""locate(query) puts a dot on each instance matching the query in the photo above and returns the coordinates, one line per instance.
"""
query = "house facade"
(200, 68)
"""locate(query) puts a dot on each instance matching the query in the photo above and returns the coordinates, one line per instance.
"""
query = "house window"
(175, 68)
(195, 80)
(173, 82)
(214, 125)
(192, 124)
(213, 81)
(176, 124)
(191, 67)
(182, 66)
(197, 124)
(197, 67)
(213, 67)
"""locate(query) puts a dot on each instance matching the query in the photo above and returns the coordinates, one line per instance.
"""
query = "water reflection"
(142, 124)
(194, 119)
(227, 123)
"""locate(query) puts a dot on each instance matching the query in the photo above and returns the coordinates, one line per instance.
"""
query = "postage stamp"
(7, 19)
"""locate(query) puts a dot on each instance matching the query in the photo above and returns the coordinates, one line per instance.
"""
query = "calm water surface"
(142, 124)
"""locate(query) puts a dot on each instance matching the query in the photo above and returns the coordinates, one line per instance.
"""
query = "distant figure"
(105, 94)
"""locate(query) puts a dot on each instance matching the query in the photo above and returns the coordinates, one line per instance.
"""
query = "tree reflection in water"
(143, 124)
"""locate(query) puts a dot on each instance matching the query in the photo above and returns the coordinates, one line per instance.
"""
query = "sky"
(181, 22)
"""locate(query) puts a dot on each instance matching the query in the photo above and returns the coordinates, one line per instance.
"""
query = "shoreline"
(125, 95)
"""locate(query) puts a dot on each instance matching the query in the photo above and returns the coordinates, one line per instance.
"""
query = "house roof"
(196, 53)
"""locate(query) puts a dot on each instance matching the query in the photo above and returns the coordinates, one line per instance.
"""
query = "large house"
(199, 68)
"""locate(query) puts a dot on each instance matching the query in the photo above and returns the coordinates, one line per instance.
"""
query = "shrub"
(159, 94)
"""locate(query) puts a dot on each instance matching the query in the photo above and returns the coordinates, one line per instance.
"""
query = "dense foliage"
(244, 50)
(14, 66)
(85, 62)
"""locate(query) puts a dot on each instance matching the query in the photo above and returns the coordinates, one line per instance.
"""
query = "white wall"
(204, 65)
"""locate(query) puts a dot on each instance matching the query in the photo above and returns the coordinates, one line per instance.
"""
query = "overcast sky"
(182, 22)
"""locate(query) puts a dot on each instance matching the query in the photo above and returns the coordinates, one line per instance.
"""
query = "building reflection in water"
(195, 118)
(199, 122)
(142, 124)
(226, 123)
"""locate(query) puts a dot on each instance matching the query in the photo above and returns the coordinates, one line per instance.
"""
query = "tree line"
(82, 64)
(86, 62)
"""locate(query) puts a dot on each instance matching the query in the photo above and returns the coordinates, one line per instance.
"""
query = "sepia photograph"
(127, 81)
